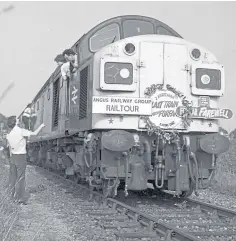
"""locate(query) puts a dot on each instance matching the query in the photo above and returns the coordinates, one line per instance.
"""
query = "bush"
(225, 178)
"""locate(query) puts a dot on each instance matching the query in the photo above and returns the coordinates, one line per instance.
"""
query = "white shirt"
(16, 140)
(65, 70)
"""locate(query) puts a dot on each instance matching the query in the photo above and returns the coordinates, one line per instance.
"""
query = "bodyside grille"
(55, 110)
(83, 93)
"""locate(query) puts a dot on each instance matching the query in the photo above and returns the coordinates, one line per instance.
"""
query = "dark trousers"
(17, 176)
(29, 122)
(26, 121)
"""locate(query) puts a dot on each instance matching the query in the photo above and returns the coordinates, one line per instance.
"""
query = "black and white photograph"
(117, 121)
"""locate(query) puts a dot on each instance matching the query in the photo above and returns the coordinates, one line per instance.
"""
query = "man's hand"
(35, 133)
(65, 78)
(42, 126)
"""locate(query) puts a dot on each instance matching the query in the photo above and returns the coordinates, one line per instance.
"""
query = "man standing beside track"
(16, 140)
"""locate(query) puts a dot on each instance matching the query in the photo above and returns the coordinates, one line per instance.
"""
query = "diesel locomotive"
(141, 110)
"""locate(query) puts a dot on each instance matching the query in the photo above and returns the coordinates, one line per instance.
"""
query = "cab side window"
(104, 36)
(163, 31)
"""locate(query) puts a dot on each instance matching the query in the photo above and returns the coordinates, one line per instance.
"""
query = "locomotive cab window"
(137, 27)
(118, 73)
(163, 31)
(33, 108)
(104, 36)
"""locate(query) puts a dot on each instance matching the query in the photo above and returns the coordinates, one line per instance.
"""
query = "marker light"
(195, 54)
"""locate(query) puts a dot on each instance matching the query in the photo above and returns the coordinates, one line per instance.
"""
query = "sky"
(33, 33)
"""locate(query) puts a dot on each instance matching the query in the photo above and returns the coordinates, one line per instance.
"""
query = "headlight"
(118, 73)
(208, 79)
(124, 73)
(205, 79)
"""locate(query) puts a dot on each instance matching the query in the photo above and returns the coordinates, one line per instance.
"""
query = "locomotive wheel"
(74, 178)
(189, 192)
(186, 193)
(41, 156)
(106, 190)
(121, 186)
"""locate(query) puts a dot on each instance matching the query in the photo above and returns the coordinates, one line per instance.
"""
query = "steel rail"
(162, 228)
(207, 207)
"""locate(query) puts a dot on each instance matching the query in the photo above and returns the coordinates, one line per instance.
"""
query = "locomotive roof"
(82, 43)
(121, 19)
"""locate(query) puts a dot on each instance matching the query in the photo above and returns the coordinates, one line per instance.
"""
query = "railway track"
(202, 220)
(154, 218)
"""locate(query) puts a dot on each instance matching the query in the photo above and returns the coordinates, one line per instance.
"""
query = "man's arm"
(76, 61)
(65, 72)
(27, 133)
(35, 133)
(65, 77)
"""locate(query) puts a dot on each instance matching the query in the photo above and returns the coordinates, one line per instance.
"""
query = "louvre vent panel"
(55, 103)
(83, 93)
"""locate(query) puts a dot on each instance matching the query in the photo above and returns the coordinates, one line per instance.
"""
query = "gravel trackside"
(52, 213)
(55, 212)
(212, 196)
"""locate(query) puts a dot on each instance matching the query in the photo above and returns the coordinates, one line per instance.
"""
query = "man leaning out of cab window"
(72, 57)
(65, 66)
